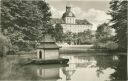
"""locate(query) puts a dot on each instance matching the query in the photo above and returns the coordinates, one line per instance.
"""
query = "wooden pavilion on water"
(48, 52)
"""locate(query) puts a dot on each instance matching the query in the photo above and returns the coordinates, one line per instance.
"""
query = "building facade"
(70, 23)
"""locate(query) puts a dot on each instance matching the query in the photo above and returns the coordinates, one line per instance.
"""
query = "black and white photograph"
(63, 40)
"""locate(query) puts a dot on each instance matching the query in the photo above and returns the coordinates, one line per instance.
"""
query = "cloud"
(56, 13)
(93, 15)
(97, 17)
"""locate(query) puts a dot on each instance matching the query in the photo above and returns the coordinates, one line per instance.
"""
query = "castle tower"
(69, 16)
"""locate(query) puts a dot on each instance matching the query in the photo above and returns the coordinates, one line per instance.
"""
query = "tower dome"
(68, 12)
(68, 16)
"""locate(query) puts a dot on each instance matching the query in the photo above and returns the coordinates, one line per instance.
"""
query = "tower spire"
(68, 6)
(68, 3)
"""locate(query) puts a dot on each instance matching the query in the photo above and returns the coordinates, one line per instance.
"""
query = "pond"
(79, 68)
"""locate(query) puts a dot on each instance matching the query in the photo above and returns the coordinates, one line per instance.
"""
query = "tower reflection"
(75, 63)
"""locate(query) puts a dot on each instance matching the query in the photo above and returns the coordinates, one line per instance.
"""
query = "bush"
(98, 45)
(13, 50)
(111, 45)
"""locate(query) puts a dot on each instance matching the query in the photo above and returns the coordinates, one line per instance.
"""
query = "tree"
(59, 35)
(118, 11)
(68, 37)
(85, 37)
(103, 33)
(24, 21)
(104, 37)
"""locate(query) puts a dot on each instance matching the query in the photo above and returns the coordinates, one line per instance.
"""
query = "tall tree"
(59, 35)
(24, 21)
(103, 33)
(105, 37)
(118, 11)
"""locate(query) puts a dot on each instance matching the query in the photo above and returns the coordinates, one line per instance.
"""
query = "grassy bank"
(87, 49)
(75, 50)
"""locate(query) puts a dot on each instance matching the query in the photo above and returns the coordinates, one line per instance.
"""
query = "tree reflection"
(11, 70)
(103, 62)
(118, 63)
(121, 69)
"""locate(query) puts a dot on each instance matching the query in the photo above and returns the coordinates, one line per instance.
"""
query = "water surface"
(80, 68)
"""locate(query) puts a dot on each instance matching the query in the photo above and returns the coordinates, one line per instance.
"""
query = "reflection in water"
(81, 68)
(118, 63)
(104, 67)
(76, 63)
(115, 57)
(50, 74)
(121, 69)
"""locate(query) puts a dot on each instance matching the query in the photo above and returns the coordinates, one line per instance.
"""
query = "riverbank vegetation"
(105, 38)
(24, 24)
(118, 11)
(118, 42)
(81, 38)
(110, 36)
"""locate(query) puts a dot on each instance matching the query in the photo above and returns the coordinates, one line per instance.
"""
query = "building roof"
(48, 46)
(68, 14)
(83, 22)
(57, 21)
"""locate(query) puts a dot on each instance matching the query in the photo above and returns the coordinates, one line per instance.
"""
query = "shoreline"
(89, 50)
(79, 50)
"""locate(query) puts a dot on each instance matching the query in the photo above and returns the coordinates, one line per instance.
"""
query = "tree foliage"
(25, 21)
(58, 33)
(85, 37)
(104, 37)
(118, 11)
(103, 33)
(68, 37)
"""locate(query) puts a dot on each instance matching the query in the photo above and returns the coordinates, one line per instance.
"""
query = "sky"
(92, 10)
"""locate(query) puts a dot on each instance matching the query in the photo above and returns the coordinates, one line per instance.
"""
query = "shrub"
(111, 45)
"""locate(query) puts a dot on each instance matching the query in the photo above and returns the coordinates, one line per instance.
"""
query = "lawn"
(85, 49)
